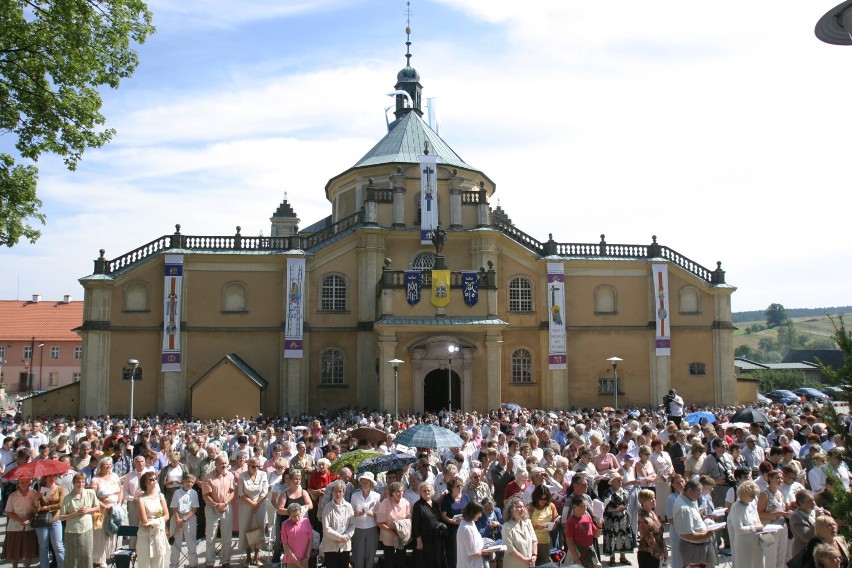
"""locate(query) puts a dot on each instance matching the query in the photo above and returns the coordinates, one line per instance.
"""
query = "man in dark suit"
(679, 451)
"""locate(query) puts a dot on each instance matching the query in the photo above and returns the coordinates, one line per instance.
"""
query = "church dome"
(408, 74)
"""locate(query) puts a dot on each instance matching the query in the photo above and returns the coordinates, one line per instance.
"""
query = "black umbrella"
(750, 415)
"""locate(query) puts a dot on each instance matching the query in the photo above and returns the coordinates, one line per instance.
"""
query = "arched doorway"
(435, 390)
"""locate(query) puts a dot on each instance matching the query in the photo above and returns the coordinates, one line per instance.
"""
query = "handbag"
(798, 561)
(41, 520)
(254, 537)
(97, 520)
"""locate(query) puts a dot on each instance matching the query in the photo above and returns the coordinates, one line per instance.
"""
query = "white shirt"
(184, 501)
(369, 503)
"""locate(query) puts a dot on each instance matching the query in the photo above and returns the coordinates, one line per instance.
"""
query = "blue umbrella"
(695, 417)
(511, 406)
(387, 462)
(429, 436)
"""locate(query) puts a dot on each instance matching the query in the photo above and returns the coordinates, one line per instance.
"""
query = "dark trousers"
(394, 557)
(279, 548)
(647, 560)
(337, 559)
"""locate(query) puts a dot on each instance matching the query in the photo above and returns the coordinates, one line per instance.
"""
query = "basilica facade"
(413, 294)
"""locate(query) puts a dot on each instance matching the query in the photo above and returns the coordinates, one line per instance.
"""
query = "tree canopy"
(776, 315)
(54, 55)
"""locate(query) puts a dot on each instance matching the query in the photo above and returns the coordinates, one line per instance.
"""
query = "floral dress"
(617, 534)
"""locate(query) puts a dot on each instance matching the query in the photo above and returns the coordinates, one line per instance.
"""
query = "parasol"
(37, 469)
(429, 436)
(750, 415)
(696, 417)
(387, 462)
(352, 460)
(372, 435)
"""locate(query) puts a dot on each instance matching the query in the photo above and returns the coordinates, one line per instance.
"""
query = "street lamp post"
(396, 363)
(452, 349)
(134, 364)
(614, 361)
(40, 363)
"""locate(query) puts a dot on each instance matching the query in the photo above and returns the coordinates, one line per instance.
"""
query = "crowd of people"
(523, 488)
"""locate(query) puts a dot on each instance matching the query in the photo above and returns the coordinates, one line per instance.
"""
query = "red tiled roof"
(44, 320)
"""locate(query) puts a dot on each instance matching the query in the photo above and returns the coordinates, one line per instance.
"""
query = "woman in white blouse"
(469, 543)
(365, 541)
(252, 489)
(743, 526)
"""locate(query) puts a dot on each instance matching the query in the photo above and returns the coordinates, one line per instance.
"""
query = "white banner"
(661, 304)
(428, 197)
(558, 353)
(293, 328)
(171, 312)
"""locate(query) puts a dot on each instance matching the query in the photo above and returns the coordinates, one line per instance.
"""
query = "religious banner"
(293, 328)
(470, 288)
(440, 288)
(428, 197)
(558, 353)
(171, 314)
(661, 303)
(413, 286)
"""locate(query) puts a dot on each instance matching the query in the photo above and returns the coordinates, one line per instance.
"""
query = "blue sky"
(718, 128)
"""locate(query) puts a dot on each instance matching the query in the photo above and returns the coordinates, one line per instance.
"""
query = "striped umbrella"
(429, 436)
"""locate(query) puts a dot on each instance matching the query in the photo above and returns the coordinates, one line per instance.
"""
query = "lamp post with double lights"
(452, 350)
(614, 361)
(396, 363)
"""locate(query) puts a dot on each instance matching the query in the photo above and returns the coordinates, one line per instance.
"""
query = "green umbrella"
(352, 460)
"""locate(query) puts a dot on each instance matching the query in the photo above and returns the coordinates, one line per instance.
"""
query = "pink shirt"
(388, 512)
(298, 537)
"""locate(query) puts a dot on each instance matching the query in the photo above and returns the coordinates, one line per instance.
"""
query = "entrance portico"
(432, 359)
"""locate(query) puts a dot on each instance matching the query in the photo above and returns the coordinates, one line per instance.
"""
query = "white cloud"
(717, 128)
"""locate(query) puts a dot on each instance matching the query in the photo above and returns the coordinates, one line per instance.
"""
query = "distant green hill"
(758, 316)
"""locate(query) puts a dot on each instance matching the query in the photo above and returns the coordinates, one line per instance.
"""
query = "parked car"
(784, 396)
(763, 399)
(811, 394)
(834, 393)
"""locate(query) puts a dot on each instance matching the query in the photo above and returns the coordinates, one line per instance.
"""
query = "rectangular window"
(2, 352)
(605, 386)
(54, 353)
(77, 377)
(697, 369)
(28, 352)
(78, 352)
(54, 379)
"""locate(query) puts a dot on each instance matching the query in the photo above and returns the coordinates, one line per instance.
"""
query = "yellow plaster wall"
(225, 393)
(693, 346)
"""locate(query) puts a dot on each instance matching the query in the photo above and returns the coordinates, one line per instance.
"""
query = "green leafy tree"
(54, 56)
(839, 500)
(770, 380)
(776, 315)
(744, 351)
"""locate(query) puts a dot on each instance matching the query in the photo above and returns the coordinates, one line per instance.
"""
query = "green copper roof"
(404, 144)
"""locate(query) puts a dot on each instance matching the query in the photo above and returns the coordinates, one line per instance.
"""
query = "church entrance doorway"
(435, 391)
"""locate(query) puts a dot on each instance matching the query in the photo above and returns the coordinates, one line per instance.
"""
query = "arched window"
(332, 367)
(234, 297)
(689, 300)
(423, 261)
(605, 300)
(333, 294)
(522, 371)
(136, 297)
(520, 295)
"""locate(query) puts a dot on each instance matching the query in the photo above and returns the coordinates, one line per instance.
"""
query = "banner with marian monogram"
(171, 314)
(293, 325)
(413, 286)
(558, 354)
(661, 302)
(470, 287)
